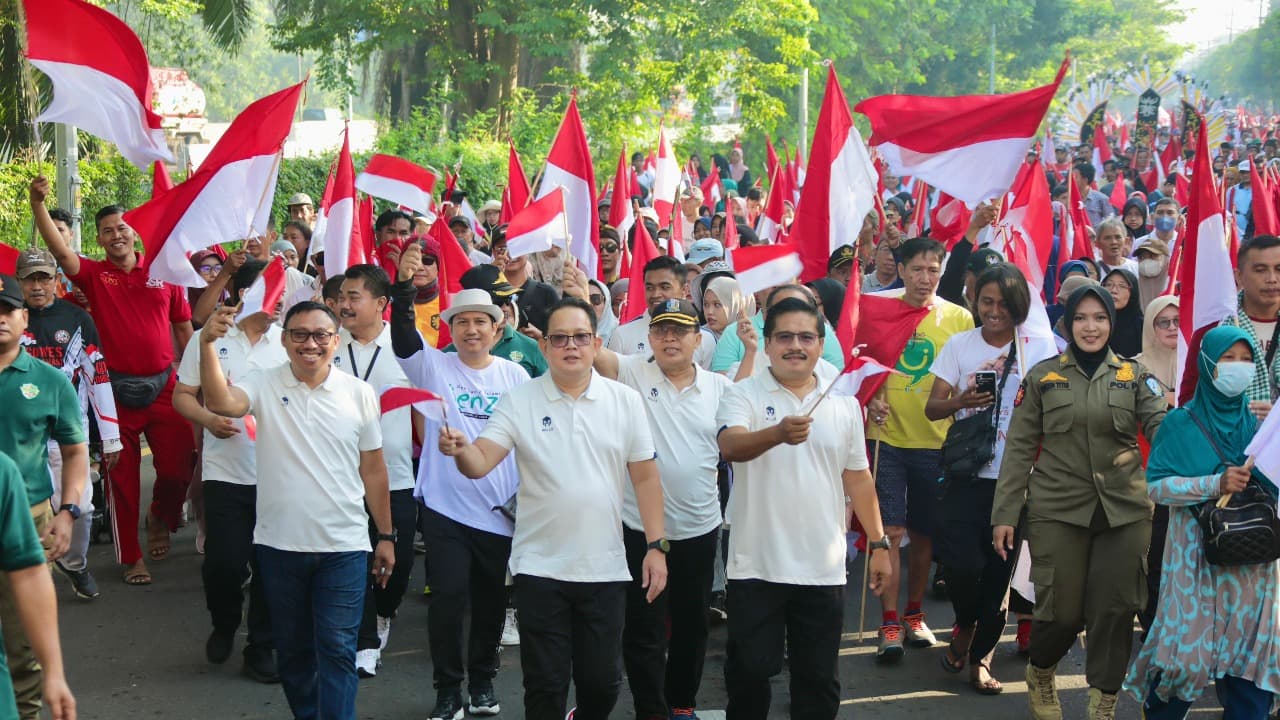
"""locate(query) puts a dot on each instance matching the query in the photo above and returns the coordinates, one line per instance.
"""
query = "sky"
(1209, 22)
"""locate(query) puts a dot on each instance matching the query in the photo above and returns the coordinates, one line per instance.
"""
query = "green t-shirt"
(19, 549)
(518, 348)
(38, 403)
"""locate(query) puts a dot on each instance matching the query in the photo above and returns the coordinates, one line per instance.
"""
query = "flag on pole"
(227, 198)
(1265, 221)
(968, 146)
(340, 234)
(666, 179)
(9, 259)
(100, 74)
(621, 214)
(840, 187)
(1078, 225)
(771, 228)
(569, 166)
(1119, 193)
(1101, 152)
(881, 330)
(764, 266)
(644, 250)
(857, 368)
(400, 181)
(949, 220)
(538, 226)
(160, 180)
(516, 194)
(265, 294)
(1264, 448)
(424, 401)
(1024, 235)
(712, 190)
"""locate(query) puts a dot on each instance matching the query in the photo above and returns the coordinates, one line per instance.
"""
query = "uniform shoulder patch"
(1153, 384)
(1125, 373)
(1022, 393)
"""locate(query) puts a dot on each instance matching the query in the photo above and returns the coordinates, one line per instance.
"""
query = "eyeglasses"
(1167, 323)
(210, 268)
(597, 299)
(609, 248)
(320, 336)
(560, 340)
(667, 330)
(806, 339)
(428, 260)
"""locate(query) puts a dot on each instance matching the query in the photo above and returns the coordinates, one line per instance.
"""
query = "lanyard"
(355, 369)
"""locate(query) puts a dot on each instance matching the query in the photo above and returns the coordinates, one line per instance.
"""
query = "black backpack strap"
(1212, 443)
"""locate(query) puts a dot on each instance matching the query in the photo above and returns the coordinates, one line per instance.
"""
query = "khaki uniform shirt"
(1086, 434)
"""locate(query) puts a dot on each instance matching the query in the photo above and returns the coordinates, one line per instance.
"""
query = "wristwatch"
(881, 544)
(661, 545)
(73, 509)
(391, 537)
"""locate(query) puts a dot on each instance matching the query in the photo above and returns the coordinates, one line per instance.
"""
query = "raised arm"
(406, 341)
(208, 301)
(219, 395)
(62, 252)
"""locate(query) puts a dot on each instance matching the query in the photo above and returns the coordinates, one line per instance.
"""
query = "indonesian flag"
(400, 181)
(569, 167)
(1265, 221)
(771, 163)
(841, 185)
(712, 189)
(1119, 195)
(1208, 293)
(644, 251)
(968, 146)
(451, 263)
(1101, 151)
(516, 194)
(797, 173)
(730, 230)
(468, 212)
(621, 214)
(1024, 235)
(9, 259)
(675, 242)
(949, 221)
(340, 234)
(1077, 221)
(857, 369)
(666, 179)
(771, 229)
(765, 266)
(539, 226)
(919, 210)
(228, 198)
(881, 330)
(100, 74)
(160, 180)
(265, 294)
(426, 402)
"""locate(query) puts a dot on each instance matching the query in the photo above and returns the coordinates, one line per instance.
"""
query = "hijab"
(1056, 310)
(1132, 204)
(1088, 361)
(832, 294)
(737, 169)
(1126, 329)
(730, 295)
(1160, 360)
(1180, 449)
(1071, 266)
(605, 325)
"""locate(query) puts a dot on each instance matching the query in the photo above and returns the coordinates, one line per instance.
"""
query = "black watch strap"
(389, 537)
(662, 545)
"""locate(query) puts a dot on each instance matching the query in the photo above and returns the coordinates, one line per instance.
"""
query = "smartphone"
(985, 381)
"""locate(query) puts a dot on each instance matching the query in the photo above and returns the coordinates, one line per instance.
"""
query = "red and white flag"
(879, 331)
(712, 190)
(468, 212)
(644, 250)
(160, 180)
(840, 187)
(339, 232)
(969, 147)
(949, 220)
(227, 198)
(516, 194)
(770, 229)
(621, 214)
(100, 74)
(426, 402)
(400, 181)
(1264, 448)
(666, 179)
(265, 294)
(765, 266)
(538, 226)
(569, 167)
(1077, 225)
(1101, 152)
(9, 259)
(858, 369)
(1024, 235)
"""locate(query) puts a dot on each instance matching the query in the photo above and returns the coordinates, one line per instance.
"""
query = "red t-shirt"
(134, 313)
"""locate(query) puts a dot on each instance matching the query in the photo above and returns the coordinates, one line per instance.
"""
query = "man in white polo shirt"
(468, 537)
(681, 400)
(364, 350)
(229, 479)
(664, 279)
(319, 458)
(568, 558)
(798, 470)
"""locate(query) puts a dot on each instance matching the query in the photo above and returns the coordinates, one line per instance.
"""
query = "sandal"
(157, 538)
(990, 686)
(137, 575)
(950, 662)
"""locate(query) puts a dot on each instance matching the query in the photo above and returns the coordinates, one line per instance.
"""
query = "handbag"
(971, 442)
(1246, 530)
(138, 391)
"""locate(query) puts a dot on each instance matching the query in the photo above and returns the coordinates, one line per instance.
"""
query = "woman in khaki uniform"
(1076, 420)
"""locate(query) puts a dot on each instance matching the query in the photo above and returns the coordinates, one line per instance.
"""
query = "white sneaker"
(384, 632)
(510, 629)
(367, 662)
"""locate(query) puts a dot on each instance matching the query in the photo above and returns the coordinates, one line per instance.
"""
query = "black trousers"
(662, 679)
(380, 601)
(230, 512)
(570, 629)
(977, 579)
(764, 620)
(470, 567)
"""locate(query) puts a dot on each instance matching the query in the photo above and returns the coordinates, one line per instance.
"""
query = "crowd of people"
(599, 492)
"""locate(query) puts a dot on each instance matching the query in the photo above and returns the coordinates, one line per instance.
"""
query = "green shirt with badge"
(519, 349)
(19, 549)
(1081, 436)
(38, 404)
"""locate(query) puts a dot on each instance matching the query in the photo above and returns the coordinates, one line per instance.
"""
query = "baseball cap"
(678, 311)
(488, 278)
(704, 250)
(459, 220)
(843, 255)
(35, 260)
(300, 199)
(983, 258)
(1244, 167)
(472, 300)
(11, 292)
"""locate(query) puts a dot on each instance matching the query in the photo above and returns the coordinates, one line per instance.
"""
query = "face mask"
(1234, 377)
(1165, 223)
(1150, 268)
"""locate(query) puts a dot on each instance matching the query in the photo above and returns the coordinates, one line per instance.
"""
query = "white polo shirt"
(231, 460)
(573, 465)
(633, 339)
(787, 508)
(310, 493)
(683, 423)
(375, 363)
(470, 398)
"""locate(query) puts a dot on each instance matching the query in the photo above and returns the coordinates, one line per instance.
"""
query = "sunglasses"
(597, 299)
(210, 268)
(428, 260)
(786, 338)
(609, 248)
(1167, 323)
(559, 340)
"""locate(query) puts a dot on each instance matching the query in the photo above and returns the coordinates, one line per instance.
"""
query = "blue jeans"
(1241, 700)
(315, 601)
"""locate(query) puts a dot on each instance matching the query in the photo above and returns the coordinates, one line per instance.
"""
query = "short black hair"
(107, 212)
(310, 306)
(243, 278)
(666, 262)
(787, 306)
(332, 288)
(1257, 242)
(908, 250)
(1086, 170)
(300, 227)
(1013, 290)
(637, 156)
(62, 216)
(375, 279)
(574, 302)
(755, 194)
(389, 216)
(1167, 201)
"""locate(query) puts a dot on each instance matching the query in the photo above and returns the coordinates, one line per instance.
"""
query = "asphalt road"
(138, 653)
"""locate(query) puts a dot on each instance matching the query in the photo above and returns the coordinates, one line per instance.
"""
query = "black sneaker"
(483, 701)
(260, 665)
(448, 706)
(218, 647)
(940, 583)
(81, 581)
(716, 613)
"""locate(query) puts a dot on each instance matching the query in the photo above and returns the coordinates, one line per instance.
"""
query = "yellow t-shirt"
(907, 426)
(427, 317)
